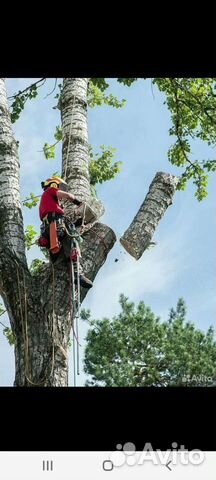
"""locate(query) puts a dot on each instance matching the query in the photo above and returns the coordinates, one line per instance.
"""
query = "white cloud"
(156, 272)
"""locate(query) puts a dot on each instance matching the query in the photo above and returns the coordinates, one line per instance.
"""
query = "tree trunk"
(39, 306)
(75, 146)
(139, 234)
(43, 333)
(11, 225)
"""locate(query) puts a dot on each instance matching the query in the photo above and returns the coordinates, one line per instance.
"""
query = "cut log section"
(140, 232)
(90, 211)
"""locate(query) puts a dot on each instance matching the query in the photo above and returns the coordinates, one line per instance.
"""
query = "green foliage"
(127, 81)
(210, 165)
(21, 98)
(30, 236)
(101, 167)
(136, 349)
(9, 335)
(50, 150)
(35, 266)
(85, 314)
(6, 330)
(58, 133)
(100, 83)
(97, 97)
(192, 104)
(32, 201)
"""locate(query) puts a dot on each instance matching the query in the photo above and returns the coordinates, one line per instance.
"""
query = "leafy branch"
(7, 332)
(29, 237)
(101, 167)
(97, 97)
(49, 150)
(189, 101)
(22, 96)
(32, 201)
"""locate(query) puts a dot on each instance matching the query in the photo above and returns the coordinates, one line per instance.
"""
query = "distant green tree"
(136, 349)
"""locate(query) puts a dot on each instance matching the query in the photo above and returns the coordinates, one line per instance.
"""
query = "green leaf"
(49, 151)
(192, 105)
(96, 97)
(21, 98)
(30, 236)
(101, 167)
(9, 335)
(58, 133)
(127, 81)
(35, 266)
(32, 201)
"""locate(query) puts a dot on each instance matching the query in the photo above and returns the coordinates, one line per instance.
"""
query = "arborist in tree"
(54, 227)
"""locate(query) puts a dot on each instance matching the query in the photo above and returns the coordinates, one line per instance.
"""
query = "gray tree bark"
(75, 146)
(140, 232)
(39, 306)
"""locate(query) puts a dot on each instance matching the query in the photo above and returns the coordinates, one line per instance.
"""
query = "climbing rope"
(72, 321)
(75, 301)
(78, 312)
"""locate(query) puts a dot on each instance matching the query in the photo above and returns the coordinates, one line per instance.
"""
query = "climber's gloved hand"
(77, 202)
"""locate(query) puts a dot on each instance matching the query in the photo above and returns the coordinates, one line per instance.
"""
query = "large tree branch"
(11, 225)
(96, 245)
(11, 269)
(140, 232)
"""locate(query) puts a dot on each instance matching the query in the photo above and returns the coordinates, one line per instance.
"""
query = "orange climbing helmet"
(55, 182)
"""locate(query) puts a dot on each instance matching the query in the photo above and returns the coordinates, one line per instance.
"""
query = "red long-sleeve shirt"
(49, 203)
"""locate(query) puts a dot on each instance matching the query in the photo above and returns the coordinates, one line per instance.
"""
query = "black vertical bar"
(43, 465)
(48, 465)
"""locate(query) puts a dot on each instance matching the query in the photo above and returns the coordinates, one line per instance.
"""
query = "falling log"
(139, 234)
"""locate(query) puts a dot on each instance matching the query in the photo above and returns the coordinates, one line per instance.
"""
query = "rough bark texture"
(139, 234)
(75, 147)
(97, 243)
(39, 306)
(11, 225)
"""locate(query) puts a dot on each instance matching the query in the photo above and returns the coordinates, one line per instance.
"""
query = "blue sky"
(182, 264)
